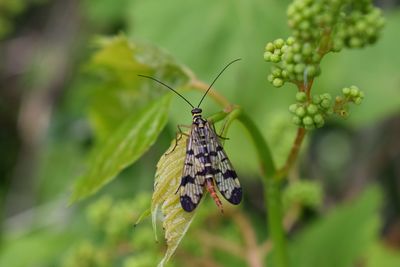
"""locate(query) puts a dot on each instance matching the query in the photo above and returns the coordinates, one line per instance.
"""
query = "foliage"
(126, 122)
(165, 198)
(135, 118)
(341, 236)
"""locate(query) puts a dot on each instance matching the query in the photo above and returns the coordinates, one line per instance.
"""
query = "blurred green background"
(347, 180)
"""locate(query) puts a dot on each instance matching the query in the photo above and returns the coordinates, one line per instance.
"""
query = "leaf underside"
(176, 221)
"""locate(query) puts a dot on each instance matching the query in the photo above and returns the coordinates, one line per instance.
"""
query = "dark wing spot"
(236, 196)
(187, 179)
(229, 174)
(201, 173)
(187, 204)
(190, 152)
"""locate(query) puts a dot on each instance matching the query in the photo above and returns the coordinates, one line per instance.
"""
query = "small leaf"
(123, 147)
(116, 89)
(165, 197)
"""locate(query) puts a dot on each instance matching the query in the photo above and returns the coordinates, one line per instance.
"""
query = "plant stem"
(272, 183)
(272, 191)
(301, 132)
(294, 152)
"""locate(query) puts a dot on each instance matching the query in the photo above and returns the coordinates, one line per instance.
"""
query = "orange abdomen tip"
(211, 189)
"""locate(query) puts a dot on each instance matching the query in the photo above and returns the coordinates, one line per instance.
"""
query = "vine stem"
(272, 191)
(269, 172)
(301, 132)
(293, 154)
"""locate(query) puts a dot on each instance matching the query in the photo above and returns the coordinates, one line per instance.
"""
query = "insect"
(206, 163)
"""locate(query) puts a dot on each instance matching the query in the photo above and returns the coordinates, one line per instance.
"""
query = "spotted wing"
(224, 174)
(192, 183)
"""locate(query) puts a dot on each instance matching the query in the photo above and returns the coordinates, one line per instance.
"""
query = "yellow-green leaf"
(116, 89)
(176, 221)
(123, 147)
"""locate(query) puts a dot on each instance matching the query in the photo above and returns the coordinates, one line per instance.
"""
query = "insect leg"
(222, 130)
(178, 137)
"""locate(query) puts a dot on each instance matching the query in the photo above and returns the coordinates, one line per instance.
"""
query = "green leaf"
(342, 236)
(123, 147)
(165, 198)
(117, 89)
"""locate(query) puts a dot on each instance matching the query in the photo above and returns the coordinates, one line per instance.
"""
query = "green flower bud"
(276, 72)
(300, 111)
(296, 120)
(325, 103)
(288, 57)
(311, 70)
(290, 68)
(312, 109)
(337, 45)
(326, 96)
(354, 91)
(275, 58)
(277, 82)
(358, 100)
(290, 40)
(361, 26)
(318, 119)
(299, 68)
(355, 42)
(308, 121)
(298, 58)
(293, 108)
(316, 99)
(296, 47)
(301, 96)
(270, 78)
(346, 91)
(279, 43)
(278, 52)
(267, 56)
(270, 47)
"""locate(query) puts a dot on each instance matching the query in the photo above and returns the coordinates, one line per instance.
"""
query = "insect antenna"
(216, 78)
(169, 87)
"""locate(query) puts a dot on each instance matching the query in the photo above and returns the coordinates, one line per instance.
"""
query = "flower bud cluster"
(351, 94)
(311, 113)
(295, 61)
(319, 27)
(360, 27)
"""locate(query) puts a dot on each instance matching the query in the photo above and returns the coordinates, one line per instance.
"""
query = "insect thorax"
(197, 118)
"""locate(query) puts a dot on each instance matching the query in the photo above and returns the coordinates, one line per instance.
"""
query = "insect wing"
(224, 174)
(192, 183)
